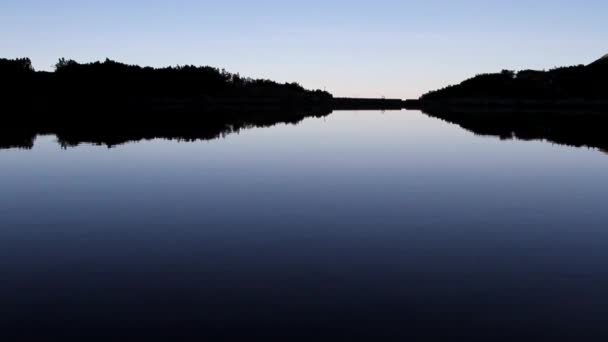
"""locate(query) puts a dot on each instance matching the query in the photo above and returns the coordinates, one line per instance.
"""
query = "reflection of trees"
(72, 131)
(567, 127)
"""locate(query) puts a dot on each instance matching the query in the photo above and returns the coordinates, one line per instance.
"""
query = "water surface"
(359, 224)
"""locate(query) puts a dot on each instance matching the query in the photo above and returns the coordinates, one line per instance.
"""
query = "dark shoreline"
(510, 105)
(117, 122)
(349, 103)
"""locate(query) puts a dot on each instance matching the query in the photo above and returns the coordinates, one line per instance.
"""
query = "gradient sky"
(351, 48)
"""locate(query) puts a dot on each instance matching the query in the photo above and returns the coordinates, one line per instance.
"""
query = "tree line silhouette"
(566, 105)
(112, 77)
(111, 103)
(578, 85)
(19, 66)
(110, 83)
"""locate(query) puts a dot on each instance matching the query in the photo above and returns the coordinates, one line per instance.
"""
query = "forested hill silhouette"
(110, 83)
(574, 86)
(14, 67)
(111, 103)
(602, 61)
(567, 105)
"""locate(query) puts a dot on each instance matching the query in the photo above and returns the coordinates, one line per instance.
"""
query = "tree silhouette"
(565, 83)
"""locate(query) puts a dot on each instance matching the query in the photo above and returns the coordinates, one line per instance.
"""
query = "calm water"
(360, 224)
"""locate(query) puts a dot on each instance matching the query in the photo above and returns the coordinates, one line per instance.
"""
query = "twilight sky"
(352, 48)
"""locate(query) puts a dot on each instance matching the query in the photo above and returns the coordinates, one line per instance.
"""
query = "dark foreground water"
(360, 225)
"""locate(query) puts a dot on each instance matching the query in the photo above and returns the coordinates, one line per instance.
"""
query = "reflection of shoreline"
(566, 127)
(116, 121)
(113, 128)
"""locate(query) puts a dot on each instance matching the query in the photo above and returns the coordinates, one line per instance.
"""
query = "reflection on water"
(358, 224)
(572, 128)
(120, 126)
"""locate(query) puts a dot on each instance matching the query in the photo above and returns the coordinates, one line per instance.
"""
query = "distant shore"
(507, 105)
(349, 103)
(580, 87)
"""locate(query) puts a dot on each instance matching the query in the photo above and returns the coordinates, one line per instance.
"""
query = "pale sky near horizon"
(351, 48)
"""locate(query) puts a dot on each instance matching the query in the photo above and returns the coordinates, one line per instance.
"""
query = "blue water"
(360, 225)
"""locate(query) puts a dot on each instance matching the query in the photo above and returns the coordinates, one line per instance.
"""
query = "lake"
(389, 225)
